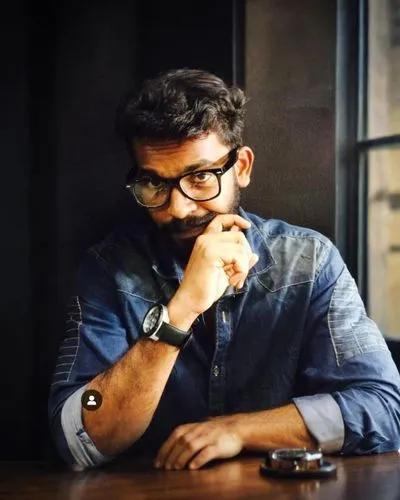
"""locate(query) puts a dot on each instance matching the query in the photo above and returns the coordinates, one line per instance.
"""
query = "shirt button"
(216, 370)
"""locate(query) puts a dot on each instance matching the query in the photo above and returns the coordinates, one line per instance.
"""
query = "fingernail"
(157, 464)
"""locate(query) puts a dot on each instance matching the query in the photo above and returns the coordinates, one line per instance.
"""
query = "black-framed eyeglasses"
(152, 191)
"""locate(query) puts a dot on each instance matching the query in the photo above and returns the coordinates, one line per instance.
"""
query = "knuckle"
(185, 439)
(243, 254)
(187, 442)
(177, 433)
(242, 240)
(201, 241)
(191, 445)
(241, 237)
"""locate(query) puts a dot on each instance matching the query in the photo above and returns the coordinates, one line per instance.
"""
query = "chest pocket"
(294, 262)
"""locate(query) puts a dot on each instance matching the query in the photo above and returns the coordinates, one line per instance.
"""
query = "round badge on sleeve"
(91, 400)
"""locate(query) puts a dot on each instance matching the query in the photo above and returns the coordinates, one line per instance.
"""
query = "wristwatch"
(156, 327)
(296, 462)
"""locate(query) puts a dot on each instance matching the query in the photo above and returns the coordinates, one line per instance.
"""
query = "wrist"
(179, 315)
(235, 425)
(239, 428)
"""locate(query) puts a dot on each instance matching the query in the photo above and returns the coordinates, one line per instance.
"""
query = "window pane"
(384, 68)
(384, 239)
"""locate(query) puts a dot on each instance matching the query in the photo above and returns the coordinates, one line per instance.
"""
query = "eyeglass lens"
(200, 186)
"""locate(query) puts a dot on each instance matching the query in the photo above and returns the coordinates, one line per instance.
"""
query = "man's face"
(182, 220)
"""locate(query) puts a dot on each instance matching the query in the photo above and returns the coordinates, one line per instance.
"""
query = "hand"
(219, 258)
(194, 445)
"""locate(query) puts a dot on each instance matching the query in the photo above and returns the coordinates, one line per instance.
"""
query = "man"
(206, 330)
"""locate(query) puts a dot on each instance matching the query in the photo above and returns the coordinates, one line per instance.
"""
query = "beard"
(182, 247)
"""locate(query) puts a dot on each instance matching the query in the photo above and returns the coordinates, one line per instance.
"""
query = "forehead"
(170, 158)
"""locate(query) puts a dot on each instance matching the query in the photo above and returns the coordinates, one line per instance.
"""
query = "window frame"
(352, 144)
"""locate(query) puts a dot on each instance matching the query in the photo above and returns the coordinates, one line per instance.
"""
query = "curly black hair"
(183, 104)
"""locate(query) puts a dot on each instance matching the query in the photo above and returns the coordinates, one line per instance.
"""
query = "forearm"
(131, 391)
(277, 428)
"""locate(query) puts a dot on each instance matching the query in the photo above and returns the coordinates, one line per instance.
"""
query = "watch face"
(291, 454)
(296, 454)
(152, 320)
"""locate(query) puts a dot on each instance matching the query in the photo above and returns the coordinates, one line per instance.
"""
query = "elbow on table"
(380, 436)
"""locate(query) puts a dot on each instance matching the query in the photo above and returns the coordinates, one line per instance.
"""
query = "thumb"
(253, 260)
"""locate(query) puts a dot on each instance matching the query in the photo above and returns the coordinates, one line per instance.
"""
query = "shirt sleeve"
(323, 419)
(348, 383)
(94, 339)
(82, 448)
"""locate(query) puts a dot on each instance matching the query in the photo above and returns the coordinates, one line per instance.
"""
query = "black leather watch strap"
(173, 336)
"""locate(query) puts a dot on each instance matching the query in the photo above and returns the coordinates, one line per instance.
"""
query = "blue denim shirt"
(296, 332)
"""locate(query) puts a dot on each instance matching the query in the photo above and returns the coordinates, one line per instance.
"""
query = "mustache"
(181, 225)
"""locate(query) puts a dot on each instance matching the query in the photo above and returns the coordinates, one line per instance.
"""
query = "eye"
(151, 183)
(200, 177)
(154, 183)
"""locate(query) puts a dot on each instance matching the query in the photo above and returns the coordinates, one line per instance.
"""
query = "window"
(377, 161)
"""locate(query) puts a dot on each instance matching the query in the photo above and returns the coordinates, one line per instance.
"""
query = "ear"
(244, 166)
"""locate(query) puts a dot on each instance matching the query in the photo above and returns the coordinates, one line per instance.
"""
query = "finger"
(206, 455)
(168, 445)
(223, 279)
(187, 449)
(235, 256)
(229, 271)
(237, 279)
(234, 237)
(253, 260)
(184, 442)
(224, 222)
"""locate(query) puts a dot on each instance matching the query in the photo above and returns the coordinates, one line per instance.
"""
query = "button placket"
(217, 375)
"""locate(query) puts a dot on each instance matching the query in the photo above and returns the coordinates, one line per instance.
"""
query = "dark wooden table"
(374, 477)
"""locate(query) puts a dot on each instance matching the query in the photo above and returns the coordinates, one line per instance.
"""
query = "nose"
(179, 205)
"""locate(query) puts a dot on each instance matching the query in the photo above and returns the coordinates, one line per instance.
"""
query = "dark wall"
(203, 35)
(290, 80)
(83, 57)
(66, 65)
(17, 363)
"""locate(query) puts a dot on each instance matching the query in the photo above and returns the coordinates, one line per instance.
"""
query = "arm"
(147, 367)
(95, 354)
(102, 358)
(346, 361)
(347, 385)
(194, 445)
(149, 363)
(281, 427)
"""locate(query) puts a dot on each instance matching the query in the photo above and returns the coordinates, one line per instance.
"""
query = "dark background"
(64, 66)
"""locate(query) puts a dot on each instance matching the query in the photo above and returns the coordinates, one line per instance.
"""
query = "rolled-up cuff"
(323, 419)
(81, 446)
